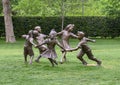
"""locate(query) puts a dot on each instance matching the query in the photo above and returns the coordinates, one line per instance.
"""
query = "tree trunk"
(82, 7)
(8, 22)
(63, 13)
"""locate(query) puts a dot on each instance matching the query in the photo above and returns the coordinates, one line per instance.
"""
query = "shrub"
(92, 26)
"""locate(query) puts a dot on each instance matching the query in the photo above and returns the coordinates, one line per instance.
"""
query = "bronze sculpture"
(65, 35)
(39, 39)
(85, 49)
(28, 46)
(50, 53)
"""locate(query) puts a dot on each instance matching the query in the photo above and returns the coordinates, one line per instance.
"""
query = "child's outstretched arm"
(45, 36)
(60, 33)
(74, 49)
(74, 36)
(24, 36)
(90, 40)
(58, 43)
(31, 41)
(44, 42)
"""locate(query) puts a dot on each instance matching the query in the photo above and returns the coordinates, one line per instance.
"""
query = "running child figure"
(28, 47)
(85, 49)
(66, 34)
(39, 39)
(50, 53)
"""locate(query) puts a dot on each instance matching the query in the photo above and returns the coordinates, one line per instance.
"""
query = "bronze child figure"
(28, 48)
(39, 39)
(65, 35)
(85, 49)
(50, 53)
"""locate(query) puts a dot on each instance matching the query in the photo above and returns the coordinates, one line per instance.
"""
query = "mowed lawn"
(13, 71)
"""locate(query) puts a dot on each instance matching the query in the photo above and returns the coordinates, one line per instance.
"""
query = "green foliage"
(14, 71)
(92, 26)
(33, 7)
(71, 7)
(23, 24)
(1, 7)
(114, 27)
(2, 26)
(53, 7)
(111, 7)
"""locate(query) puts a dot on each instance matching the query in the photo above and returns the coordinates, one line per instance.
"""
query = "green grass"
(13, 71)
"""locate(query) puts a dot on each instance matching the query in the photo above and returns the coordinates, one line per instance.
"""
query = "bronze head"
(38, 28)
(80, 34)
(52, 34)
(33, 33)
(69, 27)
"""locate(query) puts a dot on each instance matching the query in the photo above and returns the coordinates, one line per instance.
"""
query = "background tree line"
(62, 9)
(71, 7)
(93, 26)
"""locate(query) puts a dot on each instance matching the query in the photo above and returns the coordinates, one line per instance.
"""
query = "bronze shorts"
(28, 51)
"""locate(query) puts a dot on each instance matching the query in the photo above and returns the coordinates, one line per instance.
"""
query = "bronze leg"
(31, 59)
(25, 57)
(80, 57)
(37, 60)
(63, 58)
(91, 57)
(55, 62)
(51, 61)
